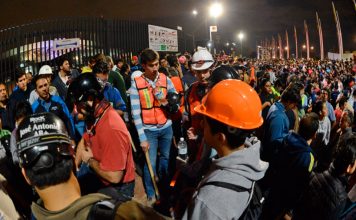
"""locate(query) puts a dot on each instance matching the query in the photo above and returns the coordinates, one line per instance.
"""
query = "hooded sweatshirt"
(242, 168)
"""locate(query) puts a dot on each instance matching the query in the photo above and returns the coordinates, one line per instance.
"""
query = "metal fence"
(30, 46)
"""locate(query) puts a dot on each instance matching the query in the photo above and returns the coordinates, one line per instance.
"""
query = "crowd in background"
(288, 129)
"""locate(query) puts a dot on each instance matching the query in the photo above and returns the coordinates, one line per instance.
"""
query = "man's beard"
(68, 72)
(4, 101)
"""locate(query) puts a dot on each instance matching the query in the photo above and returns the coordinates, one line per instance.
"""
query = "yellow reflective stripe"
(311, 165)
(146, 94)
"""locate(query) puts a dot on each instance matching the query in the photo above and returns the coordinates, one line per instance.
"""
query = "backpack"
(254, 207)
(104, 210)
(108, 210)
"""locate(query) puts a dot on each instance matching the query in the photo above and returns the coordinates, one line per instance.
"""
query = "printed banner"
(62, 44)
(162, 39)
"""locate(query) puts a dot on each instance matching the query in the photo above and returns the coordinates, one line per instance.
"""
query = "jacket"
(276, 128)
(118, 82)
(113, 96)
(242, 167)
(16, 97)
(60, 86)
(325, 197)
(289, 174)
(56, 106)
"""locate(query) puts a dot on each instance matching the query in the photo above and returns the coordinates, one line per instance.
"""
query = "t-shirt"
(111, 145)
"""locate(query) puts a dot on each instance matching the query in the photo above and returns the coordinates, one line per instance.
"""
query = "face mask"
(102, 82)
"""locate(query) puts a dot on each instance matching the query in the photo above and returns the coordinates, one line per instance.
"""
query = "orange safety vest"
(252, 74)
(194, 100)
(151, 112)
(177, 82)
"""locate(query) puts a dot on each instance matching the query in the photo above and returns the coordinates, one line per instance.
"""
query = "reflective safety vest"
(151, 112)
(193, 98)
(177, 82)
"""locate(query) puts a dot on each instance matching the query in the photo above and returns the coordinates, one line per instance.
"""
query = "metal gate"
(30, 46)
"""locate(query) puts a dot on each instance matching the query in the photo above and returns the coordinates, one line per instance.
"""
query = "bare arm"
(110, 176)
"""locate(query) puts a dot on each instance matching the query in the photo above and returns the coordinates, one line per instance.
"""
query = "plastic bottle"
(182, 149)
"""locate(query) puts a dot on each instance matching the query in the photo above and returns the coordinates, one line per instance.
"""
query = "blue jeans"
(90, 183)
(160, 139)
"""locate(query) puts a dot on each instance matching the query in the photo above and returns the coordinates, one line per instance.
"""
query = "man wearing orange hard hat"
(231, 111)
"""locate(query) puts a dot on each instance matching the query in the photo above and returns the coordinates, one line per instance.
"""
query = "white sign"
(336, 56)
(69, 43)
(213, 28)
(162, 39)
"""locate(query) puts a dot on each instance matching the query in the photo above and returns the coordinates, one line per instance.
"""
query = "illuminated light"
(215, 10)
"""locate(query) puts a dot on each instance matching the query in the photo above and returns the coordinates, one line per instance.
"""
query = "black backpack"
(254, 208)
(104, 210)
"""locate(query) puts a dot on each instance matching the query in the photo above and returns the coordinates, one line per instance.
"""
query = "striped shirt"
(136, 109)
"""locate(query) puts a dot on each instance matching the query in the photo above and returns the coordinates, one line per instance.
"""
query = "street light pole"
(241, 36)
(215, 11)
(241, 46)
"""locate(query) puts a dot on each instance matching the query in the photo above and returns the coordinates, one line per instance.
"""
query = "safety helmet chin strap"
(89, 114)
(94, 115)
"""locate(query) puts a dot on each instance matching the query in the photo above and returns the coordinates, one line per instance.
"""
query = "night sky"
(258, 19)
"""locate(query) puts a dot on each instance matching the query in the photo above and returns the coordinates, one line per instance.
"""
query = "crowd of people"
(266, 139)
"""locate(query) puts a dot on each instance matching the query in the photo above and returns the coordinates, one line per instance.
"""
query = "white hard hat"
(202, 59)
(45, 69)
